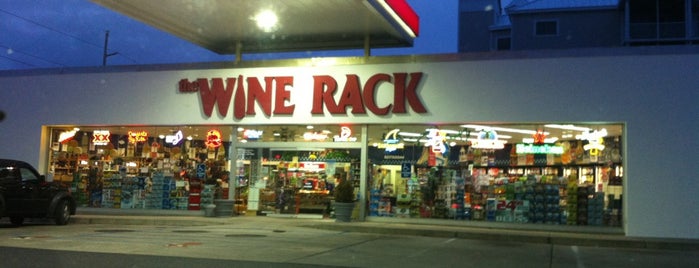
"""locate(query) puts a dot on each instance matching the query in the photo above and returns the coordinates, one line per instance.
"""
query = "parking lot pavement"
(555, 235)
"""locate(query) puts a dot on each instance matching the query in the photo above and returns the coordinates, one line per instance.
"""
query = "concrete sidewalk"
(543, 234)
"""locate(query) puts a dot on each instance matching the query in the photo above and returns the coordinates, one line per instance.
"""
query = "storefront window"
(148, 167)
(526, 173)
(291, 181)
(292, 169)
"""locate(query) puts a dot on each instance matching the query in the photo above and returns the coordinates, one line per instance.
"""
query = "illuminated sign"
(595, 139)
(174, 139)
(436, 140)
(487, 139)
(345, 135)
(539, 138)
(315, 136)
(391, 141)
(137, 136)
(213, 139)
(273, 95)
(538, 149)
(66, 136)
(312, 166)
(100, 137)
(251, 134)
(592, 135)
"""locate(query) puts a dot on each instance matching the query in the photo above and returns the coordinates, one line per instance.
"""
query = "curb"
(552, 238)
(386, 228)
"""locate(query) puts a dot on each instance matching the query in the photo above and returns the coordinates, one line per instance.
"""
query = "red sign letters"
(274, 97)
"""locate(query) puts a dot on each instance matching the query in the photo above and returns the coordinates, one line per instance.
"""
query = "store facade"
(419, 136)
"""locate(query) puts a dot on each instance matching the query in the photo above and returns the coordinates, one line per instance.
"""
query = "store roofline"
(344, 61)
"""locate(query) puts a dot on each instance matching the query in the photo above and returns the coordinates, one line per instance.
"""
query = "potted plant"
(344, 200)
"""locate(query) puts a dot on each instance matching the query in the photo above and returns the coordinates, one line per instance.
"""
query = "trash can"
(209, 210)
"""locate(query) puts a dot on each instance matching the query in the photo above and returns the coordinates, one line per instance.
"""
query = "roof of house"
(529, 6)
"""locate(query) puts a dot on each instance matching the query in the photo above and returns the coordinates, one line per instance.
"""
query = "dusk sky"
(71, 33)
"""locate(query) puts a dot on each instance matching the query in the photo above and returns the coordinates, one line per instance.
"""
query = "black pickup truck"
(24, 193)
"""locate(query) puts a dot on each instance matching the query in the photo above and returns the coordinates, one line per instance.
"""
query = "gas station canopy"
(245, 26)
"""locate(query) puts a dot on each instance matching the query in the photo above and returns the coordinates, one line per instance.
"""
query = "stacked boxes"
(403, 204)
(128, 187)
(374, 200)
(552, 204)
(538, 208)
(440, 210)
(459, 197)
(491, 209)
(111, 191)
(385, 209)
(207, 195)
(595, 209)
(194, 194)
(584, 194)
(572, 201)
(168, 186)
(154, 198)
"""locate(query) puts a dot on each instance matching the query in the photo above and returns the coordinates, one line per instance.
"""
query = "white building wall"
(655, 94)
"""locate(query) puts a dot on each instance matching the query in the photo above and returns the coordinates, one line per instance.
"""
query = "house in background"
(488, 25)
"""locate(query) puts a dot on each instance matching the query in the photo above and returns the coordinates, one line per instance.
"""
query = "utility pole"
(106, 55)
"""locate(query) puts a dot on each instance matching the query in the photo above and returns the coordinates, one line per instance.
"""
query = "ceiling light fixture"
(568, 127)
(266, 20)
(513, 130)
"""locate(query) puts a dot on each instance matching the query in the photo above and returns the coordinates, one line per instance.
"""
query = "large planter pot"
(343, 212)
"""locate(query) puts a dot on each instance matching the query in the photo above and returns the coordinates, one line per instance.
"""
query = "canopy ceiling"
(230, 26)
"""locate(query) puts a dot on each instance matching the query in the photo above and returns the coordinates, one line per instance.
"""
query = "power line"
(61, 32)
(50, 28)
(18, 61)
(33, 56)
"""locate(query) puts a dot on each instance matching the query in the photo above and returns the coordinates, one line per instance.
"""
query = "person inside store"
(330, 184)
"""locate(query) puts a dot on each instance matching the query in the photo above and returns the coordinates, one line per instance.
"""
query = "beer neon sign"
(100, 137)
(391, 142)
(137, 136)
(487, 139)
(436, 140)
(251, 134)
(315, 136)
(595, 139)
(345, 135)
(174, 139)
(213, 139)
(538, 149)
(66, 136)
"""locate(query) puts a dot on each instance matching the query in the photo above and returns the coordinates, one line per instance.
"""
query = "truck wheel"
(16, 220)
(62, 214)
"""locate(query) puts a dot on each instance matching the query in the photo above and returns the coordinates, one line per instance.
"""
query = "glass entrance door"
(291, 181)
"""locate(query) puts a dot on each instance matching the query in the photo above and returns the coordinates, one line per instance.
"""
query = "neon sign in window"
(538, 149)
(66, 136)
(391, 142)
(213, 138)
(100, 137)
(137, 136)
(345, 135)
(174, 139)
(487, 139)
